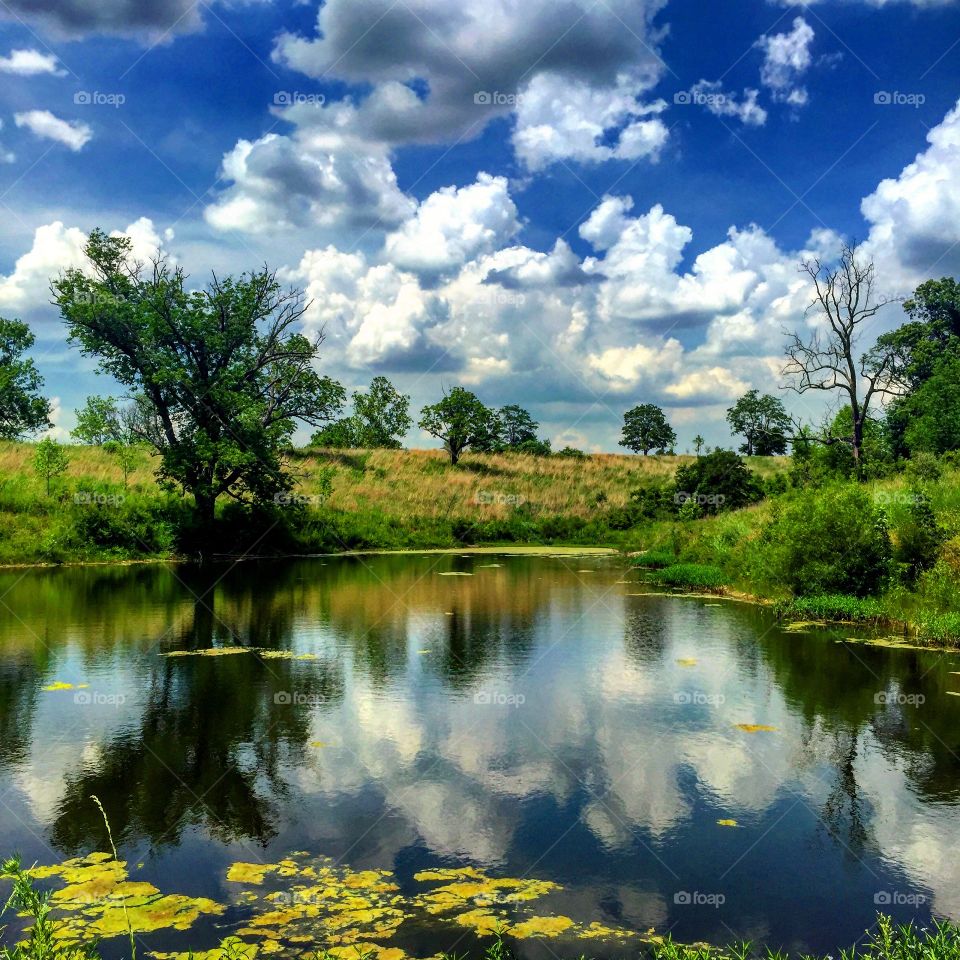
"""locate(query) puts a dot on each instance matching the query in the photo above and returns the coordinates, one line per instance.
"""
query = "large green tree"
(382, 415)
(220, 375)
(22, 409)
(645, 428)
(762, 421)
(460, 420)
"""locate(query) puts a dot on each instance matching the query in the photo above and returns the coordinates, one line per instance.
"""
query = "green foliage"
(97, 421)
(50, 460)
(655, 559)
(829, 540)
(22, 409)
(517, 427)
(932, 411)
(918, 537)
(763, 422)
(833, 606)
(645, 428)
(718, 481)
(698, 443)
(41, 941)
(571, 452)
(699, 575)
(219, 375)
(533, 448)
(338, 435)
(460, 420)
(381, 416)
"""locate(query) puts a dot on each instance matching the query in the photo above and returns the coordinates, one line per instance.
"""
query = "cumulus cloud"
(30, 63)
(454, 225)
(561, 119)
(786, 57)
(915, 218)
(571, 72)
(322, 175)
(710, 94)
(73, 18)
(6, 156)
(47, 126)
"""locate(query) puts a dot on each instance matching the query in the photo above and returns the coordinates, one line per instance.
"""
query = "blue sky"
(575, 206)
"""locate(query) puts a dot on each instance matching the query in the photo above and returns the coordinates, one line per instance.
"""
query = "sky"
(574, 205)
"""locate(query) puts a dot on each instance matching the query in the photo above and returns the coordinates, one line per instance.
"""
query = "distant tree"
(932, 422)
(645, 428)
(340, 435)
(220, 374)
(127, 455)
(698, 443)
(762, 421)
(97, 421)
(517, 426)
(535, 448)
(459, 420)
(381, 415)
(22, 409)
(830, 360)
(50, 460)
(572, 453)
(490, 438)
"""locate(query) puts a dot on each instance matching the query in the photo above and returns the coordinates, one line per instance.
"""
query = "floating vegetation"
(687, 661)
(455, 573)
(97, 901)
(755, 727)
(728, 823)
(207, 652)
(304, 903)
(63, 685)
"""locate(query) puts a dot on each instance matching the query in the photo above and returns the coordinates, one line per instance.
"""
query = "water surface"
(535, 719)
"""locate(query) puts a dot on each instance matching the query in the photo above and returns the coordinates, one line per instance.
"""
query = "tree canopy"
(22, 409)
(460, 420)
(645, 428)
(762, 421)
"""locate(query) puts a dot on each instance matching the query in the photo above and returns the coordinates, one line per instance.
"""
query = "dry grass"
(421, 483)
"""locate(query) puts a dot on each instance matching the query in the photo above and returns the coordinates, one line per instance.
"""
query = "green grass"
(695, 575)
(834, 606)
(654, 560)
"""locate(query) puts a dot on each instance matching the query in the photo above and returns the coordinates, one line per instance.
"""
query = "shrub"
(718, 481)
(833, 606)
(655, 559)
(831, 540)
(918, 538)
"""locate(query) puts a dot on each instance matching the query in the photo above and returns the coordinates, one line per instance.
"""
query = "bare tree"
(830, 359)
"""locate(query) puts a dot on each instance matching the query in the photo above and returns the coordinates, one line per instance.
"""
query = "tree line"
(218, 379)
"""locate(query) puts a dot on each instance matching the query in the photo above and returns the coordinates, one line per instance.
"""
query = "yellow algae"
(597, 931)
(208, 652)
(64, 685)
(541, 927)
(317, 744)
(482, 921)
(448, 874)
(427, 650)
(249, 872)
(157, 913)
(727, 823)
(755, 727)
(455, 573)
(230, 948)
(286, 655)
(687, 661)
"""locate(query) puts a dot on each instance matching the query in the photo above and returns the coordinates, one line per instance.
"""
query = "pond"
(396, 754)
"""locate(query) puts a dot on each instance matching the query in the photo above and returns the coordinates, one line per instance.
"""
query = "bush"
(655, 560)
(717, 481)
(831, 540)
(833, 606)
(918, 538)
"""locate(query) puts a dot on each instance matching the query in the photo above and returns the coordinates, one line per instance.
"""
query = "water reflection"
(527, 717)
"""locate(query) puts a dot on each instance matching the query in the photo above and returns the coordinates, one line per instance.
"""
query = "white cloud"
(6, 156)
(572, 72)
(153, 19)
(915, 218)
(44, 124)
(322, 175)
(454, 225)
(30, 63)
(559, 118)
(710, 94)
(786, 57)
